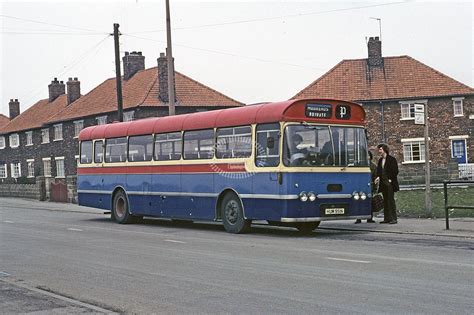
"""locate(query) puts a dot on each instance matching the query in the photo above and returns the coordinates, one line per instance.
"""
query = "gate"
(58, 191)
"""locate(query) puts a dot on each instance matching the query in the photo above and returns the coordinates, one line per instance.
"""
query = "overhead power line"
(275, 17)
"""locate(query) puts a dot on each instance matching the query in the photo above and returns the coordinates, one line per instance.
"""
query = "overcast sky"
(251, 51)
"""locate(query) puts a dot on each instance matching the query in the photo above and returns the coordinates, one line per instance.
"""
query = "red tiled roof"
(142, 90)
(401, 78)
(36, 115)
(3, 120)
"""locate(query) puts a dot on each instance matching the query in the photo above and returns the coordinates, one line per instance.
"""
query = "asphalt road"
(66, 262)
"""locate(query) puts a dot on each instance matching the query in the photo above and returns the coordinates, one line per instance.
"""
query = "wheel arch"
(114, 192)
(224, 192)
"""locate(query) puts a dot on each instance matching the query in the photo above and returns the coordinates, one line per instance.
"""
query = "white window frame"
(63, 173)
(2, 142)
(44, 132)
(14, 168)
(30, 168)
(462, 137)
(460, 100)
(78, 129)
(411, 108)
(101, 120)
(16, 143)
(58, 132)
(4, 168)
(129, 116)
(29, 138)
(411, 142)
(44, 168)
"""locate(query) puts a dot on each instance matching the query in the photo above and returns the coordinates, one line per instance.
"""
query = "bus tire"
(306, 228)
(232, 215)
(120, 209)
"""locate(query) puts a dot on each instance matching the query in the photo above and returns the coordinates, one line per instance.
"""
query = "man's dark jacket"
(391, 168)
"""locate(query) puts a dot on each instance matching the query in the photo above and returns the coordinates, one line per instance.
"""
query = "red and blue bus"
(291, 163)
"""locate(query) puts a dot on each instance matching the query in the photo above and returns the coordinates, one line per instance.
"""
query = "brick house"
(42, 141)
(388, 88)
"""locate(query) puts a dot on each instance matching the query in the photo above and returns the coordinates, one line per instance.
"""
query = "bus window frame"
(126, 150)
(92, 152)
(279, 143)
(103, 151)
(181, 132)
(198, 158)
(216, 133)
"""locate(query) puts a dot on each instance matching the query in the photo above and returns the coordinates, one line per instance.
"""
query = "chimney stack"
(375, 52)
(56, 88)
(132, 63)
(14, 108)
(163, 79)
(73, 90)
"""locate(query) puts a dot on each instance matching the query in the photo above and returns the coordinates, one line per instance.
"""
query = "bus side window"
(98, 151)
(168, 146)
(267, 145)
(234, 142)
(199, 144)
(140, 148)
(86, 152)
(116, 150)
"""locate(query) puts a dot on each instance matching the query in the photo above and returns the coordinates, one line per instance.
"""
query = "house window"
(60, 166)
(408, 108)
(29, 137)
(45, 135)
(31, 167)
(2, 142)
(58, 132)
(457, 106)
(128, 116)
(78, 126)
(413, 150)
(14, 140)
(3, 170)
(47, 167)
(15, 169)
(101, 120)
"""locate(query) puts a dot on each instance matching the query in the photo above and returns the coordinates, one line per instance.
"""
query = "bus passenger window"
(199, 144)
(86, 152)
(268, 145)
(168, 146)
(235, 142)
(98, 151)
(116, 150)
(140, 148)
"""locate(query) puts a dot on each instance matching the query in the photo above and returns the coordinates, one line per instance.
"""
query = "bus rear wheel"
(306, 228)
(233, 215)
(120, 209)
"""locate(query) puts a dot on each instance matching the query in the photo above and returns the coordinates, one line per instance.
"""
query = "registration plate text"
(333, 211)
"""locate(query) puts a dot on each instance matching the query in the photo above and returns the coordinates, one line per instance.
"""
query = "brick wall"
(31, 191)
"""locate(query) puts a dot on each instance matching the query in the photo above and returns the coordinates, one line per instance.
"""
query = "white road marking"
(173, 241)
(7, 221)
(4, 274)
(349, 260)
(74, 229)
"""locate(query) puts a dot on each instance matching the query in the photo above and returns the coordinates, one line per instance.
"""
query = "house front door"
(459, 150)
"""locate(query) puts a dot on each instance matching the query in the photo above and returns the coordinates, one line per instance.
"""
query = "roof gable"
(400, 78)
(142, 90)
(36, 116)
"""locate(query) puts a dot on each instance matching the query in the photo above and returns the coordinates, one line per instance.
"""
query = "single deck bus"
(293, 163)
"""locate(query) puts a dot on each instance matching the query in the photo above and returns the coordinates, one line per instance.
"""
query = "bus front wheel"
(233, 215)
(307, 227)
(120, 211)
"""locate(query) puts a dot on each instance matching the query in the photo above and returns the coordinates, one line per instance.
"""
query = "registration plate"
(334, 211)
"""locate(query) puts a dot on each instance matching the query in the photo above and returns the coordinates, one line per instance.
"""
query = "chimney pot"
(374, 47)
(55, 89)
(73, 90)
(75, 79)
(126, 53)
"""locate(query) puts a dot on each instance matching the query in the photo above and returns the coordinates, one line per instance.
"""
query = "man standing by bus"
(387, 171)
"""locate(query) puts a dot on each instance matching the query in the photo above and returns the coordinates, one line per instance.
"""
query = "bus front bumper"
(315, 219)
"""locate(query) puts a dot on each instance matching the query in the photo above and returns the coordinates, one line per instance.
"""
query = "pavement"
(459, 227)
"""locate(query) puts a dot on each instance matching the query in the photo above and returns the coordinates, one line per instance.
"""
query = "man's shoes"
(370, 221)
(357, 221)
(384, 222)
(393, 222)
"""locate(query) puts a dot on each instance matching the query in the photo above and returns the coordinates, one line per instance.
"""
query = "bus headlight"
(303, 196)
(355, 195)
(311, 196)
(363, 196)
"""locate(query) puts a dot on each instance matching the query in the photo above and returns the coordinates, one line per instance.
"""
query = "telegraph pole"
(118, 75)
(169, 56)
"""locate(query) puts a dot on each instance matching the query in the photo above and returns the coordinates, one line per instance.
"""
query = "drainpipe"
(382, 121)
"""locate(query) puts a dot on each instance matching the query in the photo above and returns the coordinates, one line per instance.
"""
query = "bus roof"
(291, 110)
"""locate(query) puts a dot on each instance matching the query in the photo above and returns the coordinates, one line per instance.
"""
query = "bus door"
(266, 187)
(98, 181)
